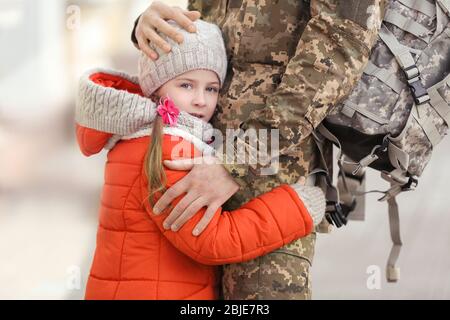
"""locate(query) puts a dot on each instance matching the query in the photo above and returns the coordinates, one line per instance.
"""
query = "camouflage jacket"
(290, 62)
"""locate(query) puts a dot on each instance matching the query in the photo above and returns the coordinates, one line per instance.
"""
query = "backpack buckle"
(418, 91)
(409, 185)
(337, 213)
(380, 149)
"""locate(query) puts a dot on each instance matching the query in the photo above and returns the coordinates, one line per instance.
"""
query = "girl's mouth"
(196, 115)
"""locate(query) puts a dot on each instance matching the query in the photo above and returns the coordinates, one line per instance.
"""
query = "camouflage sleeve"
(329, 60)
(209, 10)
(198, 5)
(195, 5)
(238, 170)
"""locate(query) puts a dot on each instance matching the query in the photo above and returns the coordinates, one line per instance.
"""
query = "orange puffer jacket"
(136, 258)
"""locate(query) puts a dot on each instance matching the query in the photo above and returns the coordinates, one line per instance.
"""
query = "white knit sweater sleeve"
(111, 110)
(313, 199)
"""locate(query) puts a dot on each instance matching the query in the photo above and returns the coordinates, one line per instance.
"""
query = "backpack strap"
(343, 198)
(335, 213)
(427, 125)
(397, 157)
(397, 178)
(437, 101)
(386, 76)
(442, 108)
(442, 18)
(400, 52)
(349, 189)
(392, 271)
(352, 190)
(399, 183)
(407, 64)
(420, 5)
(408, 25)
(349, 108)
(445, 5)
(420, 94)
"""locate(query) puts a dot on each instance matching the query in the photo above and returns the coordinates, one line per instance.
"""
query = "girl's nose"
(199, 99)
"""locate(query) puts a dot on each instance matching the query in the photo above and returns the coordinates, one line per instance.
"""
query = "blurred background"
(49, 192)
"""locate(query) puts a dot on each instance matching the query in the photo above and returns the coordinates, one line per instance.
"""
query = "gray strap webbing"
(349, 109)
(420, 5)
(440, 106)
(438, 103)
(386, 76)
(427, 125)
(396, 177)
(445, 5)
(366, 161)
(327, 134)
(398, 157)
(311, 179)
(322, 130)
(332, 193)
(401, 53)
(353, 189)
(393, 272)
(320, 142)
(442, 19)
(408, 25)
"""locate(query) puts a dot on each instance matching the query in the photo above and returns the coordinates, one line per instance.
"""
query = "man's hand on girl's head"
(153, 21)
(207, 184)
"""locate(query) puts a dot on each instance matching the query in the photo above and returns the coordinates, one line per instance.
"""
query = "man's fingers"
(193, 15)
(174, 13)
(183, 21)
(180, 165)
(176, 190)
(156, 39)
(164, 28)
(144, 46)
(154, 21)
(188, 164)
(179, 209)
(205, 220)
(190, 211)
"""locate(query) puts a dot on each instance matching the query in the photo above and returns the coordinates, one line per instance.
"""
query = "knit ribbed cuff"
(313, 199)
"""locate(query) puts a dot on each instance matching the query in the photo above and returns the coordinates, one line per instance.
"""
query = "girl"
(136, 257)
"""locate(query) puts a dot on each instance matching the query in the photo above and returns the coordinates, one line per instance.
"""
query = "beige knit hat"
(204, 49)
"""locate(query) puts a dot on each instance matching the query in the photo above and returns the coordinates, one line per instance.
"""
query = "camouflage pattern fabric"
(387, 110)
(290, 63)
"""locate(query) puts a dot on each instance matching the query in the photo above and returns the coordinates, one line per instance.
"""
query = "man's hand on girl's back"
(207, 184)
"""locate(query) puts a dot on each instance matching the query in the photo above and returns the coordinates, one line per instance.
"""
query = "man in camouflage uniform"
(290, 62)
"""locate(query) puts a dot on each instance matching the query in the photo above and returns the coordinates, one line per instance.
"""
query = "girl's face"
(195, 92)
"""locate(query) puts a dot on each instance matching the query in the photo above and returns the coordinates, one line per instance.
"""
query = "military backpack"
(397, 114)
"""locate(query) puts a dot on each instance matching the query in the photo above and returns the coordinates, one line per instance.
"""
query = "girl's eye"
(212, 89)
(186, 85)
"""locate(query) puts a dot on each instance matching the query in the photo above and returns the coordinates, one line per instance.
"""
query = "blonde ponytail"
(153, 165)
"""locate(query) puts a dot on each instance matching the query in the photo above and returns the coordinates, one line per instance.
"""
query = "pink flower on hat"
(168, 111)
